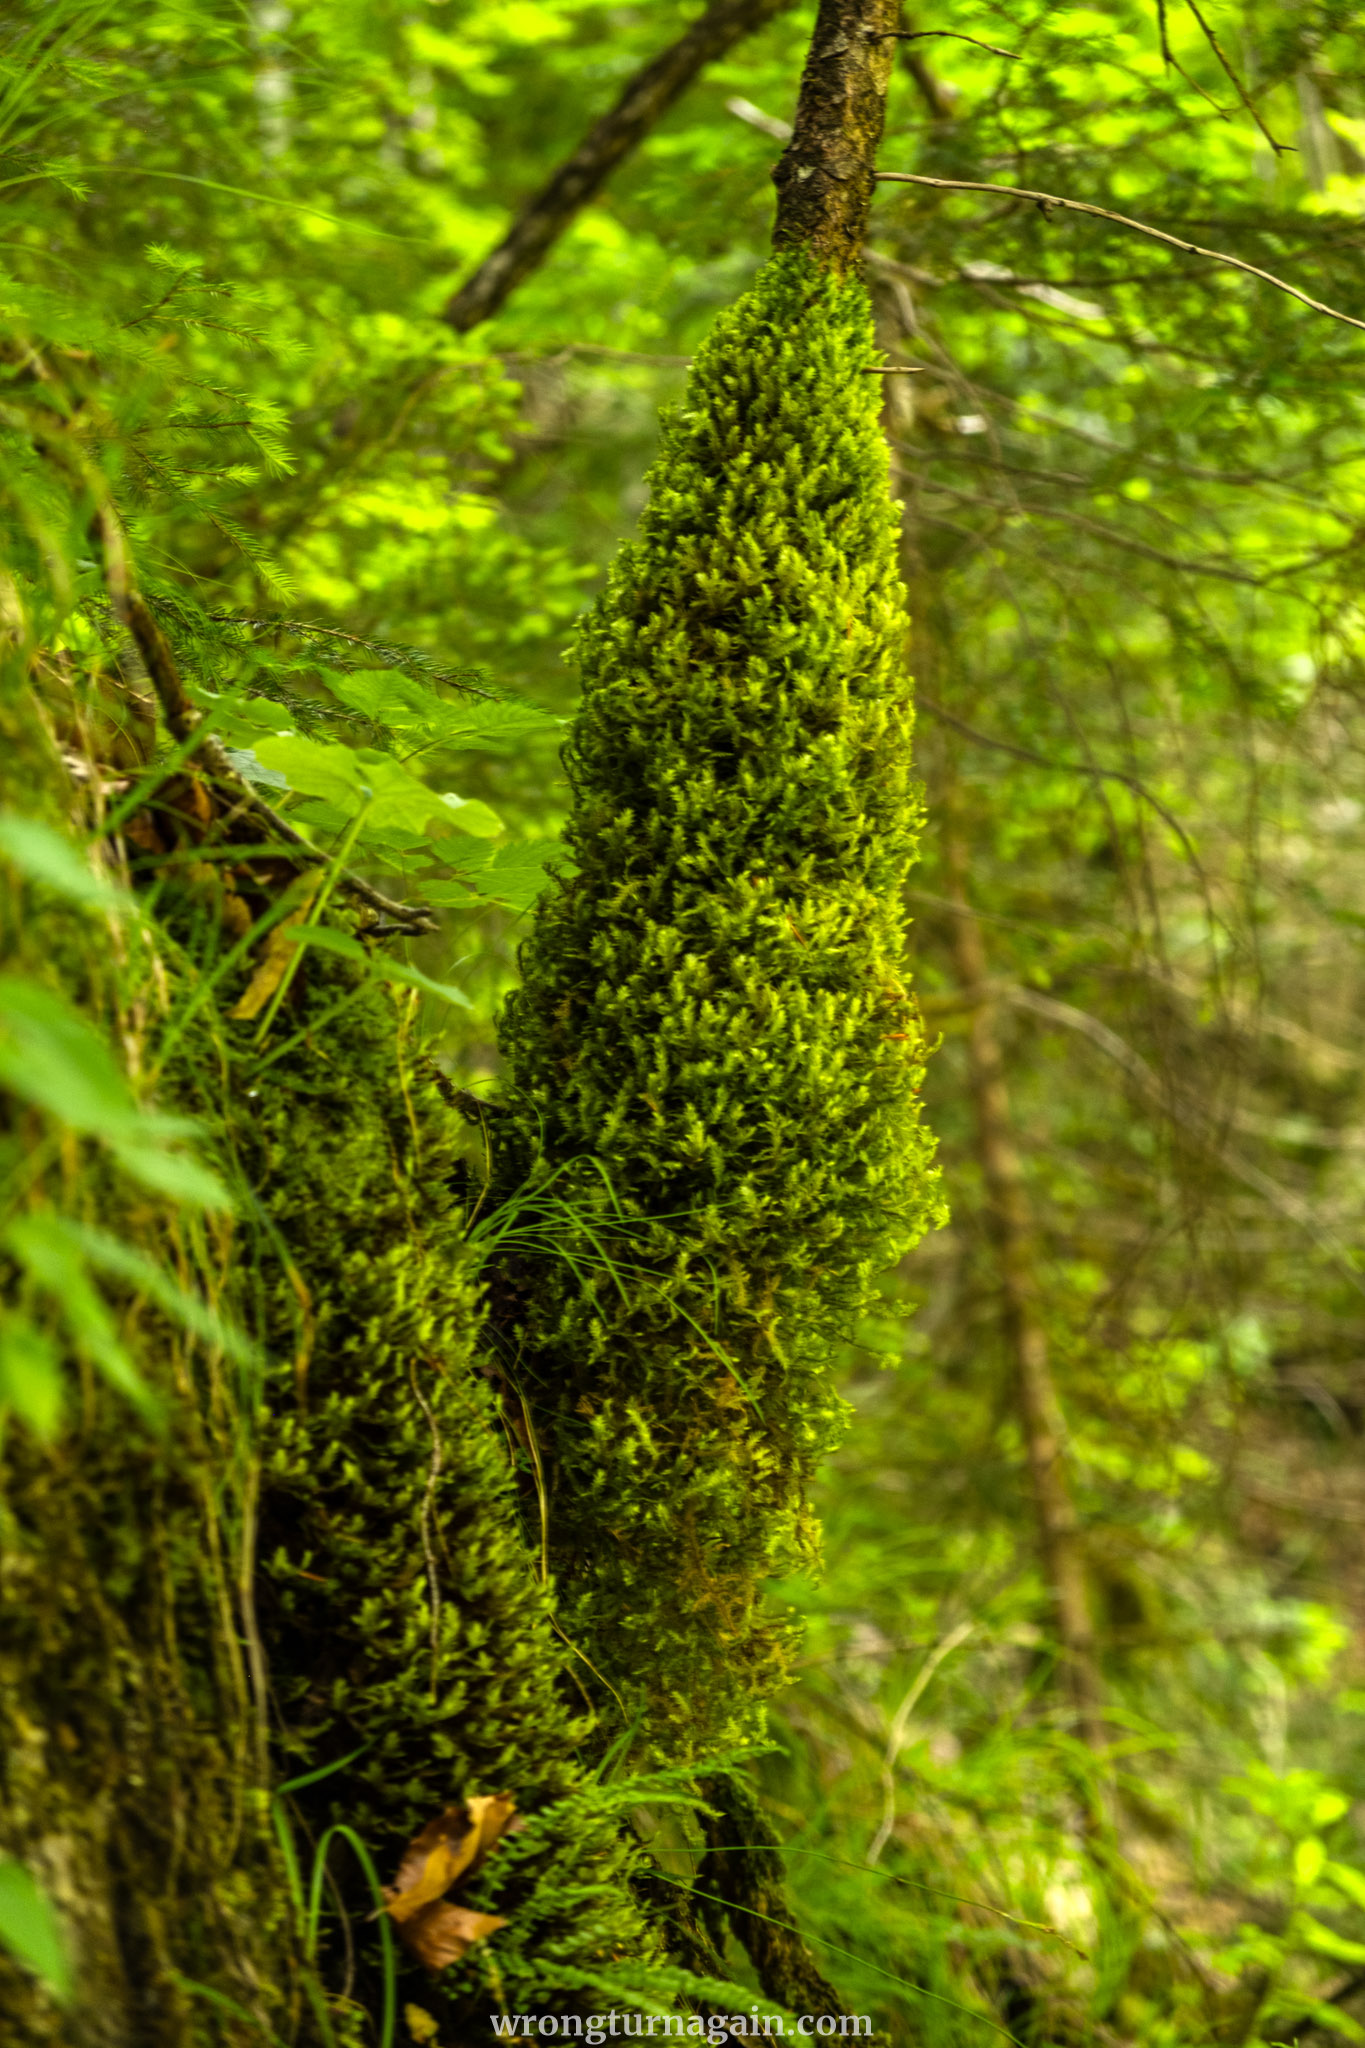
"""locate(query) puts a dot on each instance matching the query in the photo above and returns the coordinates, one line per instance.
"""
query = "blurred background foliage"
(1135, 519)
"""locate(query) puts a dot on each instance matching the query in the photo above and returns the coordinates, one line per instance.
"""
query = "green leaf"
(1347, 1880)
(1309, 1858)
(29, 1929)
(30, 1375)
(55, 1263)
(1325, 1941)
(315, 768)
(50, 1056)
(361, 779)
(406, 705)
(43, 855)
(510, 876)
(467, 814)
(413, 977)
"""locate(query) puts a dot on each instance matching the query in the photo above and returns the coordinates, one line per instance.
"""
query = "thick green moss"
(343, 1521)
(399, 1605)
(713, 1014)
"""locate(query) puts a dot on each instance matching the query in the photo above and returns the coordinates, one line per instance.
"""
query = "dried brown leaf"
(441, 1933)
(454, 1843)
(431, 1863)
(275, 956)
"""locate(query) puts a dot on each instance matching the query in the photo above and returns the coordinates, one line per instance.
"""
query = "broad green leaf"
(385, 695)
(30, 1931)
(499, 720)
(248, 763)
(365, 781)
(50, 1056)
(55, 1263)
(44, 855)
(315, 768)
(413, 977)
(1325, 1941)
(467, 814)
(510, 876)
(1347, 1880)
(30, 1374)
(1309, 1858)
(407, 705)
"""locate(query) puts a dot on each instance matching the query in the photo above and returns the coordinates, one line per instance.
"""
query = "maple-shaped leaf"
(448, 1848)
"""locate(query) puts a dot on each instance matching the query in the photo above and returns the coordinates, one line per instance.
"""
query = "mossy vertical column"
(713, 1029)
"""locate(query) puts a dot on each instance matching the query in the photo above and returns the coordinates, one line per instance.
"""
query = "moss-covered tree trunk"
(714, 1050)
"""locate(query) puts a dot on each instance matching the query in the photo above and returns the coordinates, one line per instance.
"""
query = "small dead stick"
(1047, 200)
(183, 718)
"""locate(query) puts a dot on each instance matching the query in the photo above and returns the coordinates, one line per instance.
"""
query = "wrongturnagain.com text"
(717, 2027)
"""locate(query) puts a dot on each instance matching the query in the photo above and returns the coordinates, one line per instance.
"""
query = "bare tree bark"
(826, 176)
(646, 98)
(1011, 1225)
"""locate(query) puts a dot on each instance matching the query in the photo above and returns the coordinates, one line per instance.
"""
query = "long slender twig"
(1280, 148)
(1047, 200)
(900, 1722)
(1140, 789)
(917, 35)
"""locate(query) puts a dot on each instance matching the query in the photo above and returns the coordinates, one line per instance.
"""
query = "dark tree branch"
(825, 177)
(1047, 200)
(646, 98)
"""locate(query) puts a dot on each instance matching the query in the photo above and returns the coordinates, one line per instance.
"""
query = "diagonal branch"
(1050, 199)
(1280, 148)
(183, 719)
(646, 98)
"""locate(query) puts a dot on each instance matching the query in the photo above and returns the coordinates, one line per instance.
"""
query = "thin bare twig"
(1194, 1121)
(433, 1576)
(916, 35)
(1047, 200)
(1140, 789)
(1280, 148)
(895, 1740)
